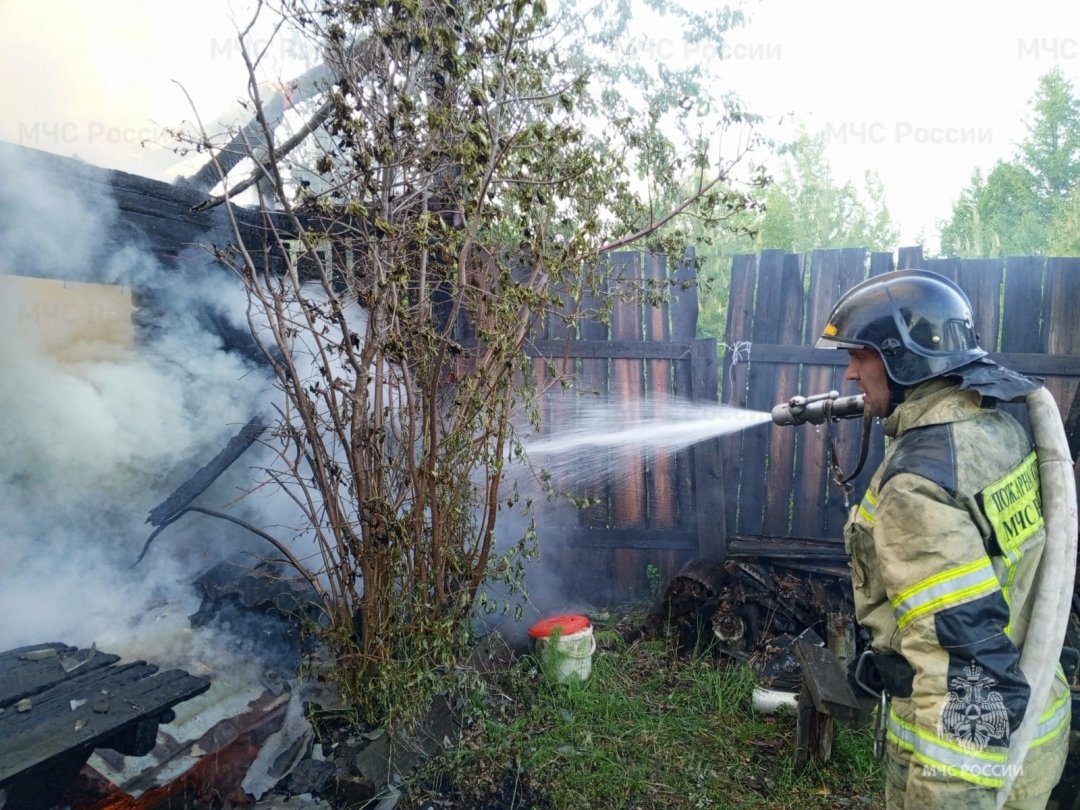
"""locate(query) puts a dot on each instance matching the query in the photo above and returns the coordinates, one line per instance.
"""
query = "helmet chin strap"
(838, 477)
(897, 394)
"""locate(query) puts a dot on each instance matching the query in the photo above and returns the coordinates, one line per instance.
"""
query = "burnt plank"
(761, 389)
(208, 473)
(827, 683)
(733, 380)
(26, 671)
(89, 709)
(779, 481)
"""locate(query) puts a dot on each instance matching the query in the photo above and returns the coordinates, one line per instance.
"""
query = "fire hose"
(1054, 591)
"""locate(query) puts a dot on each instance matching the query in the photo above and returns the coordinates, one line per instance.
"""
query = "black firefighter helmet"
(920, 322)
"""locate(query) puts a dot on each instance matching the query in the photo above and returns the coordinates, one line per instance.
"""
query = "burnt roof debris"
(250, 139)
(66, 712)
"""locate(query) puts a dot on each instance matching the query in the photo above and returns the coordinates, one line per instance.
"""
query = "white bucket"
(571, 640)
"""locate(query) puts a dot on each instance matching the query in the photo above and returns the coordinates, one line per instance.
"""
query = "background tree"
(465, 178)
(1022, 206)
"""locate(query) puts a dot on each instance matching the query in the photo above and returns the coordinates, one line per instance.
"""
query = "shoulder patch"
(928, 452)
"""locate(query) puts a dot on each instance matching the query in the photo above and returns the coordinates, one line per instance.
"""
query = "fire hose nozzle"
(817, 409)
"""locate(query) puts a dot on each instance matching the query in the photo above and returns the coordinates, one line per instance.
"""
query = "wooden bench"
(58, 703)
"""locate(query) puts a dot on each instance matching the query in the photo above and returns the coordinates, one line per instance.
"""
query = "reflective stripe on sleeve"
(950, 587)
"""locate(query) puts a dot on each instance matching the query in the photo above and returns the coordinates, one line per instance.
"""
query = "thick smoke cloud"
(92, 440)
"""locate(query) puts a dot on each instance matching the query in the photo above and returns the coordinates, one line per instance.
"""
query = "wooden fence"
(657, 508)
(776, 478)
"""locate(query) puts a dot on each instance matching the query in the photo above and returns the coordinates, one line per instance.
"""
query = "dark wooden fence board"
(661, 479)
(950, 268)
(811, 461)
(1063, 322)
(982, 280)
(709, 482)
(733, 383)
(846, 436)
(656, 508)
(910, 257)
(1021, 320)
(761, 388)
(881, 262)
(594, 382)
(628, 498)
(684, 316)
(781, 456)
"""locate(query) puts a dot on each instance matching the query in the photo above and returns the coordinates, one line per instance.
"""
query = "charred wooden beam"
(251, 138)
(207, 474)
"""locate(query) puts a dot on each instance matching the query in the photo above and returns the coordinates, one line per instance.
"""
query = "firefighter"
(944, 550)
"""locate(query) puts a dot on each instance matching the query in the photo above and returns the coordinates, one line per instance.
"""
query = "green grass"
(649, 729)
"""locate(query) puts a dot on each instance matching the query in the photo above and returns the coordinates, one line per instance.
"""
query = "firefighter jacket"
(944, 548)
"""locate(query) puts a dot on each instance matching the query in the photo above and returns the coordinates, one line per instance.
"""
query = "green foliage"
(997, 216)
(473, 161)
(804, 209)
(648, 730)
(1065, 228)
(1051, 152)
(807, 209)
(1026, 205)
(652, 573)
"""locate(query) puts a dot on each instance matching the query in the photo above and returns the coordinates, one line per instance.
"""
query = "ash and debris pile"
(262, 601)
(754, 612)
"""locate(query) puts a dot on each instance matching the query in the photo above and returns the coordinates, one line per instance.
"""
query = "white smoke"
(90, 445)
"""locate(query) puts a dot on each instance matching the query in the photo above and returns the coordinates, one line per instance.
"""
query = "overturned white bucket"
(770, 701)
(567, 643)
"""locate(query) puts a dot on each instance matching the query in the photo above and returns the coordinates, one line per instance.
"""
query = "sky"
(921, 92)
